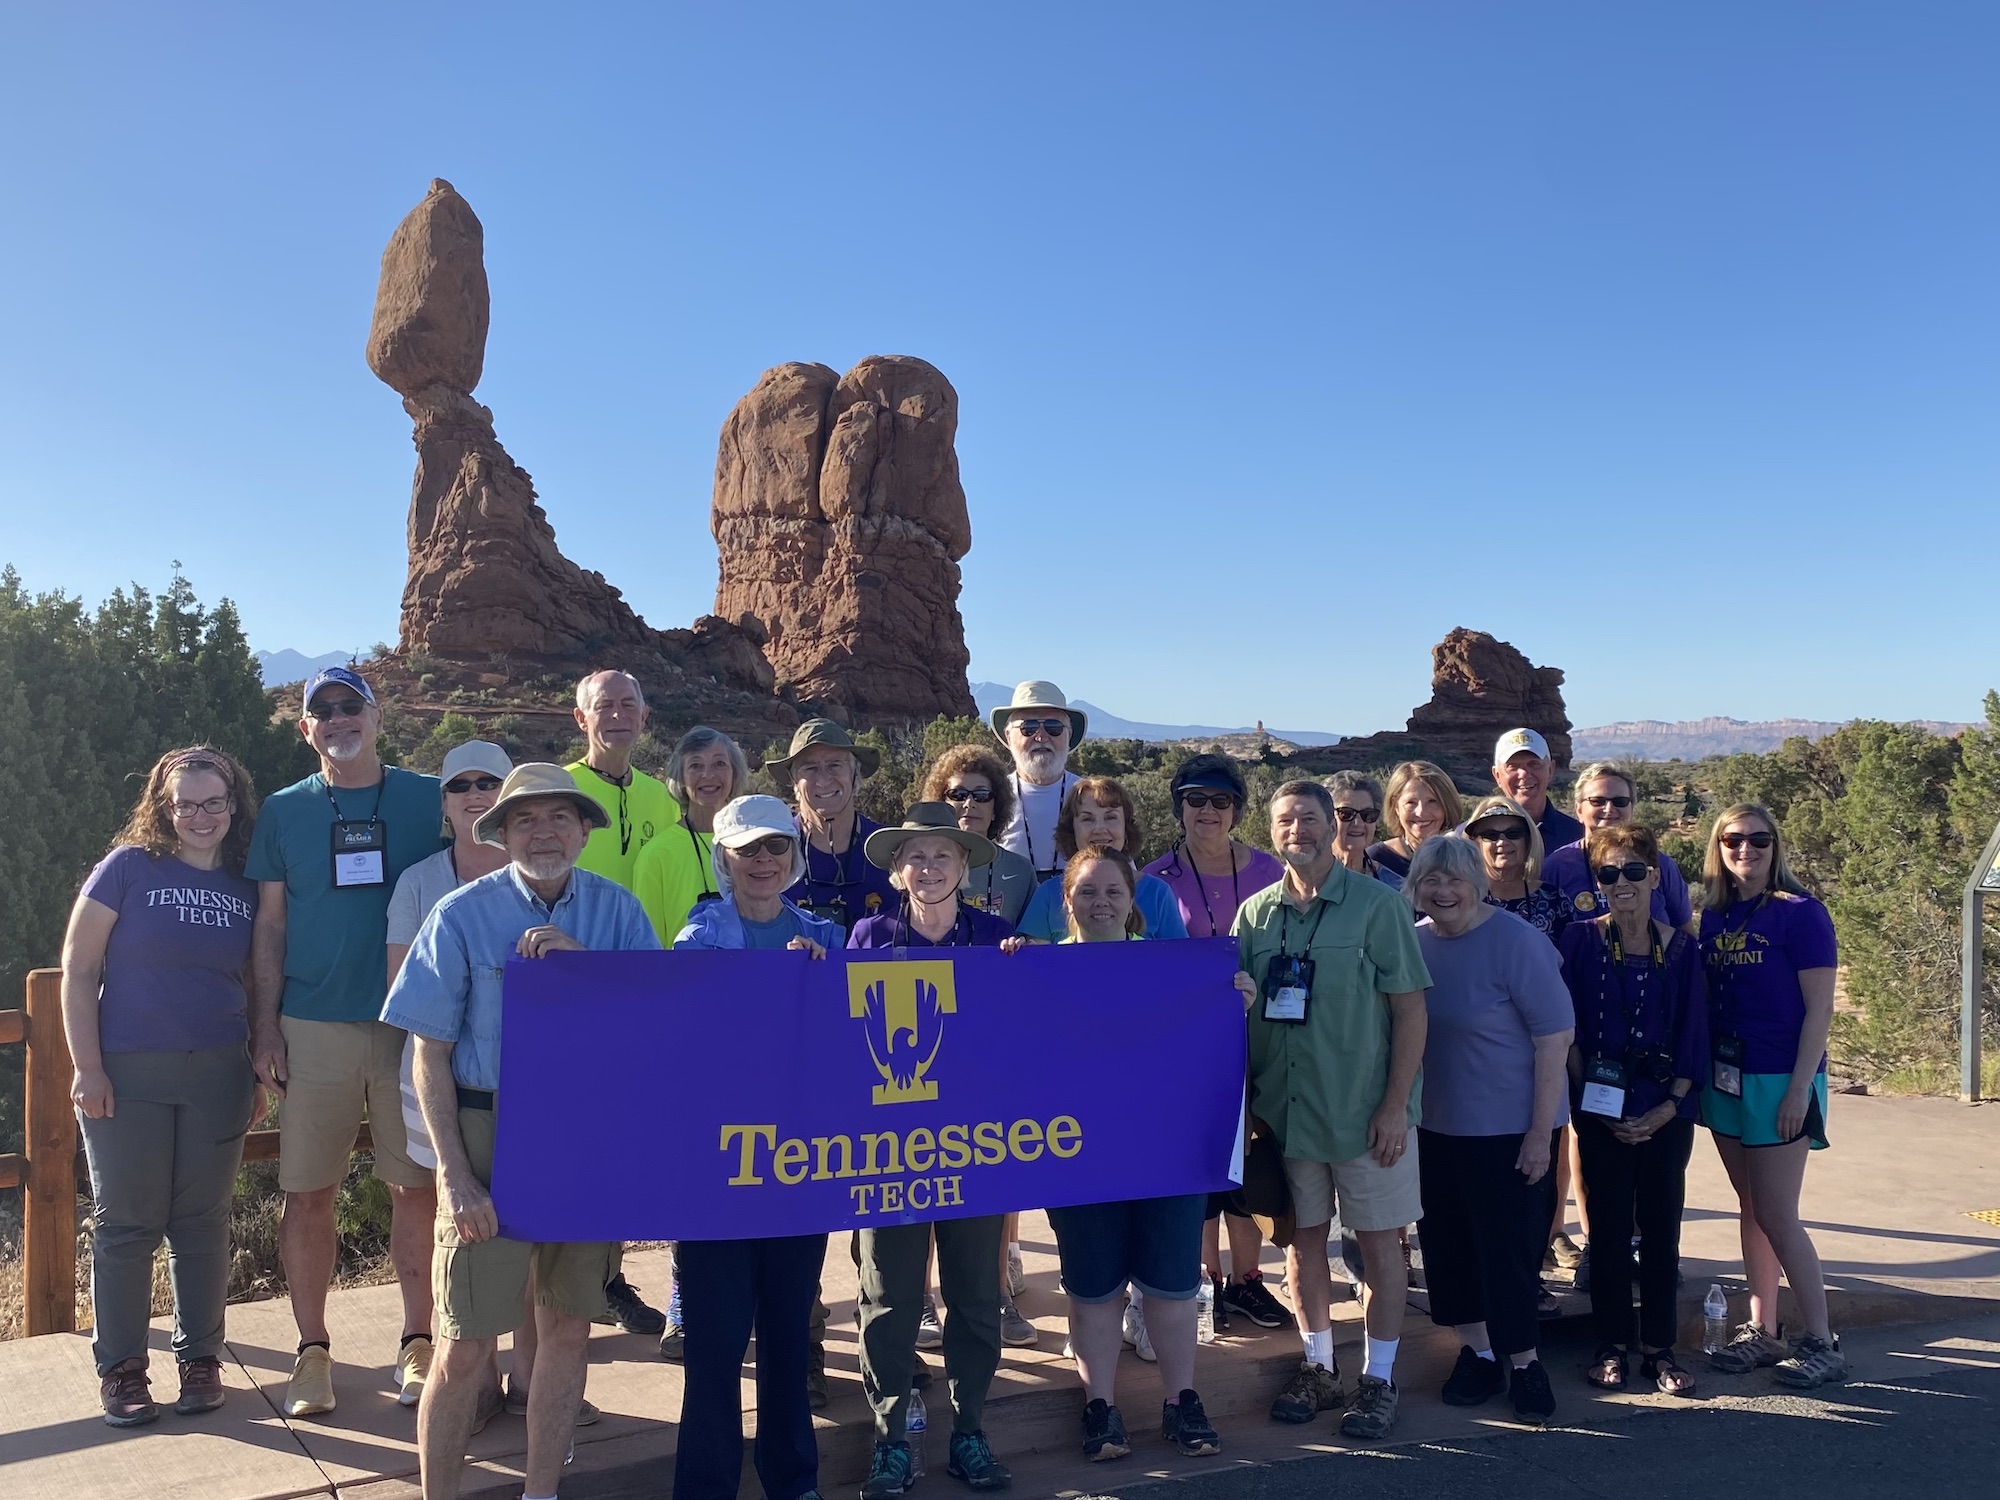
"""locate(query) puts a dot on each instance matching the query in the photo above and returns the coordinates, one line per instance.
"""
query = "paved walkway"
(1888, 1204)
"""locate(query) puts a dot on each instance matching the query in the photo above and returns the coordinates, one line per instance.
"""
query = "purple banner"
(704, 1095)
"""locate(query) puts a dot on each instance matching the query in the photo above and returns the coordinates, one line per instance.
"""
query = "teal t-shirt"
(336, 964)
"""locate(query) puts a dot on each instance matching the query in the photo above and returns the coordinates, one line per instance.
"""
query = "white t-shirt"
(418, 889)
(1031, 832)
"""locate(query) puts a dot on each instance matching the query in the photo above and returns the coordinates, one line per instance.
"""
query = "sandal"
(1607, 1368)
(1666, 1373)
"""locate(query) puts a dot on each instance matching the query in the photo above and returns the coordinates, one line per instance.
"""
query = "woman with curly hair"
(975, 782)
(155, 1007)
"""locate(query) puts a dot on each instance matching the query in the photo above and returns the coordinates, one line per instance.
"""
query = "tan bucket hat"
(822, 732)
(537, 778)
(1039, 695)
(926, 820)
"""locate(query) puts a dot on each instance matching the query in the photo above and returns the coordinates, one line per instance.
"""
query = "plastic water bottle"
(1204, 1326)
(1714, 1319)
(915, 1425)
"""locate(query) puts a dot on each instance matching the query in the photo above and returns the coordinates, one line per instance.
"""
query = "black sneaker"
(1253, 1300)
(1184, 1424)
(888, 1472)
(1534, 1399)
(1473, 1380)
(1104, 1433)
(972, 1461)
(1311, 1390)
(628, 1312)
(1220, 1302)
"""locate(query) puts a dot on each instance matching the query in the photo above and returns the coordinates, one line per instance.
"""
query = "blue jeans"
(1154, 1243)
(729, 1287)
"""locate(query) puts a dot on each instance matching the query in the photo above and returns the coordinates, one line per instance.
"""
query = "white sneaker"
(930, 1332)
(1017, 1274)
(1136, 1336)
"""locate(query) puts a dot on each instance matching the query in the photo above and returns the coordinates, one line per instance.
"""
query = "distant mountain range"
(278, 668)
(1692, 739)
(1105, 725)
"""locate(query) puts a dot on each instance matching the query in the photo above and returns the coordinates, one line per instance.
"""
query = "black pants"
(1484, 1230)
(729, 1287)
(1646, 1183)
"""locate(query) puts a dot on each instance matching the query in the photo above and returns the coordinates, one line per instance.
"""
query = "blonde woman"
(1510, 846)
(1421, 802)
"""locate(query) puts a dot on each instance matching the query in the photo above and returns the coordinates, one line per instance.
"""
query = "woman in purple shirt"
(1641, 1042)
(155, 1009)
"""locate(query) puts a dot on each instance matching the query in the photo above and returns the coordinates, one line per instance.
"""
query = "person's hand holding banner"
(539, 942)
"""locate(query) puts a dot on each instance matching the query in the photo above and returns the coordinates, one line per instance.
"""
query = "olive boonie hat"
(1039, 695)
(535, 779)
(822, 732)
(926, 820)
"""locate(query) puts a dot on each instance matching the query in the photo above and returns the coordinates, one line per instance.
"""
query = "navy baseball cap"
(329, 676)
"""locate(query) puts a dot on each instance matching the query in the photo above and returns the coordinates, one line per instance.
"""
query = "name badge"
(1604, 1088)
(360, 852)
(1287, 989)
(1727, 1067)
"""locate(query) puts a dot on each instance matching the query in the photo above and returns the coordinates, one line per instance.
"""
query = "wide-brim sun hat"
(538, 778)
(1039, 694)
(822, 732)
(926, 820)
(745, 820)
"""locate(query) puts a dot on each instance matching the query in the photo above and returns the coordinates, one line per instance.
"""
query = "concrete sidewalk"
(1888, 1205)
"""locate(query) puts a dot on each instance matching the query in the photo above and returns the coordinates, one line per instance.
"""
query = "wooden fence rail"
(51, 1171)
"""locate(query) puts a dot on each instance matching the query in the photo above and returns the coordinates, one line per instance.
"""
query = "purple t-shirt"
(975, 929)
(1754, 952)
(173, 969)
(1208, 902)
(1493, 991)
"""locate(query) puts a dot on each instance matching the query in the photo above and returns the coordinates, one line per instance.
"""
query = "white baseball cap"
(746, 820)
(475, 755)
(1514, 741)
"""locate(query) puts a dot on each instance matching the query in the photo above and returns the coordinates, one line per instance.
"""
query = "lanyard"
(843, 865)
(1628, 983)
(1027, 831)
(1235, 885)
(960, 936)
(1285, 927)
(700, 860)
(624, 818)
(341, 817)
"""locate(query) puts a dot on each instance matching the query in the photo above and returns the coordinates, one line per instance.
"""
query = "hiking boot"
(1372, 1412)
(1749, 1348)
(1311, 1390)
(972, 1461)
(1017, 1273)
(930, 1332)
(1016, 1332)
(1184, 1424)
(1534, 1398)
(413, 1368)
(309, 1393)
(516, 1405)
(201, 1386)
(126, 1394)
(1473, 1379)
(628, 1312)
(1136, 1336)
(673, 1343)
(1104, 1433)
(1218, 1301)
(890, 1472)
(1812, 1363)
(1251, 1298)
(816, 1378)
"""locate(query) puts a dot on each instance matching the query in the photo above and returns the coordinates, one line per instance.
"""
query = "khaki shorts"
(480, 1290)
(1371, 1195)
(339, 1073)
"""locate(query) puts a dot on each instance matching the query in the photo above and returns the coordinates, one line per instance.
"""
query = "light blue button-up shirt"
(449, 987)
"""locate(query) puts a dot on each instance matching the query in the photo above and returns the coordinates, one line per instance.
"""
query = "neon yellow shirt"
(639, 813)
(672, 873)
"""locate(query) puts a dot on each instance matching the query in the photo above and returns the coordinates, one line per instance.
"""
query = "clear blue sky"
(1660, 339)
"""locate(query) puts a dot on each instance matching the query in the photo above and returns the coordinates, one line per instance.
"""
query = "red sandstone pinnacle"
(1481, 688)
(432, 306)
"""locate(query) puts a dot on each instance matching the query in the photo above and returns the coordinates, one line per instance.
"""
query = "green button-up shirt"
(1316, 1085)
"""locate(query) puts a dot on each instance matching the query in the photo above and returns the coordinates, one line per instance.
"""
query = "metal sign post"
(1985, 879)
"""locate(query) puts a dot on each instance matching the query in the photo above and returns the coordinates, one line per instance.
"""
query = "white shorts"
(1371, 1196)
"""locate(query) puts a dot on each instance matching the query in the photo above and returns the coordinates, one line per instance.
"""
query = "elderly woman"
(1421, 802)
(1494, 1075)
(1770, 954)
(1641, 1007)
(927, 859)
(1511, 847)
(1100, 814)
(673, 874)
(972, 779)
(729, 1287)
(1152, 1244)
(156, 1013)
(1357, 809)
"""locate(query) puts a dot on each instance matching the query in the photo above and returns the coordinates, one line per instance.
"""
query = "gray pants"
(893, 1262)
(163, 1166)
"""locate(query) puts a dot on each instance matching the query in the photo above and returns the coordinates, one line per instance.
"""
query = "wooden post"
(48, 1234)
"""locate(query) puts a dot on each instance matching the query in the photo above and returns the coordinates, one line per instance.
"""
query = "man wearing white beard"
(1039, 729)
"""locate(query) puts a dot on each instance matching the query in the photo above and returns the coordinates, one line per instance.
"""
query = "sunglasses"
(1632, 870)
(472, 784)
(1055, 729)
(776, 844)
(1366, 815)
(968, 794)
(1513, 833)
(1220, 801)
(1754, 840)
(346, 708)
(1600, 803)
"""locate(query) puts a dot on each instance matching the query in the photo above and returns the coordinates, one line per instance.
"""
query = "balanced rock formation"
(840, 521)
(1480, 689)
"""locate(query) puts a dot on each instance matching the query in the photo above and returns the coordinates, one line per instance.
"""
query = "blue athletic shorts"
(1154, 1243)
(1753, 1119)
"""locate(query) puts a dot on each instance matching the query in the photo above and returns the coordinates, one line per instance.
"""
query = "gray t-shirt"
(419, 888)
(1493, 991)
(1002, 888)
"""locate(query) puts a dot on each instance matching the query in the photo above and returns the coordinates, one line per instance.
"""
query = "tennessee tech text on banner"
(705, 1095)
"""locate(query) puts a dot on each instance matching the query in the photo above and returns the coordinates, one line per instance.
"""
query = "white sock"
(1486, 1354)
(1319, 1348)
(1381, 1358)
(1522, 1361)
(537, 1497)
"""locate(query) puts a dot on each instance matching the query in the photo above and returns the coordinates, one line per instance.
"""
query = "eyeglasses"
(345, 708)
(472, 784)
(1632, 870)
(1366, 815)
(968, 794)
(1754, 840)
(1513, 833)
(1055, 729)
(776, 844)
(1600, 803)
(213, 806)
(1220, 801)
